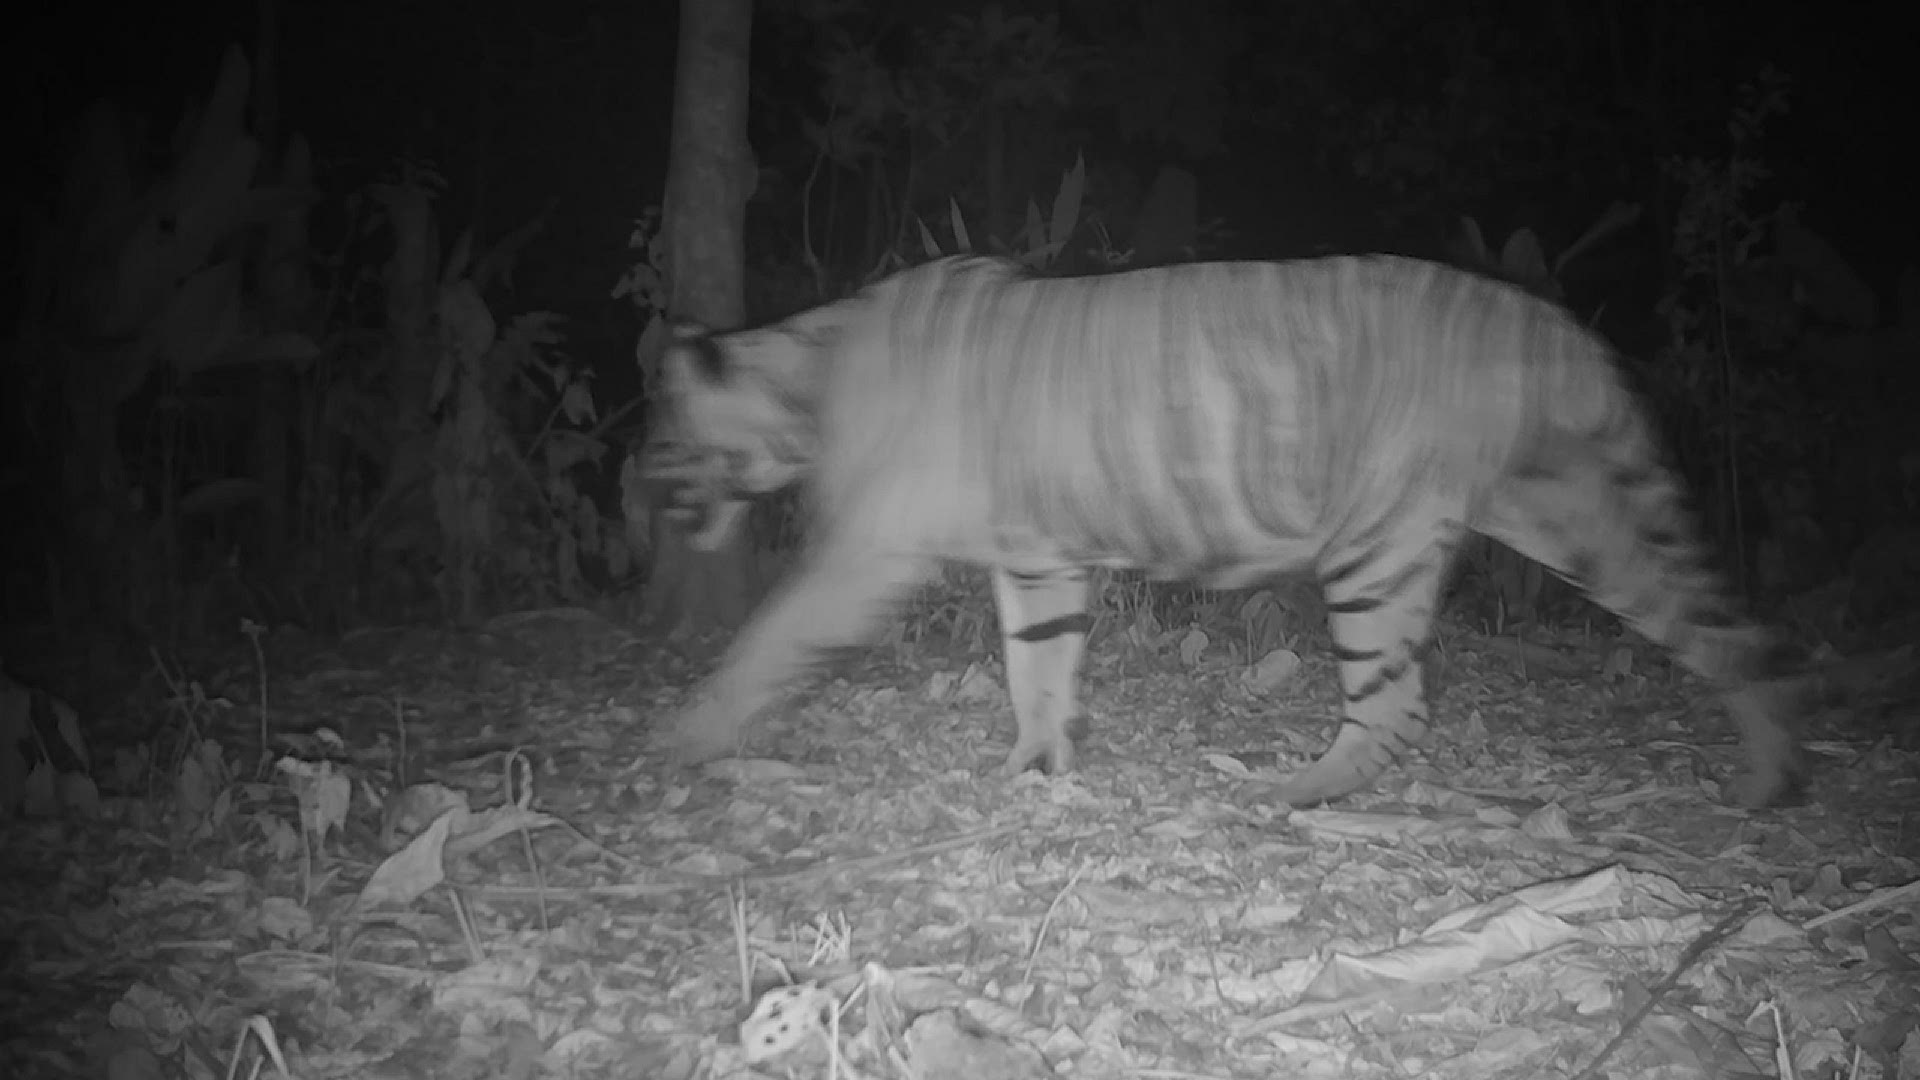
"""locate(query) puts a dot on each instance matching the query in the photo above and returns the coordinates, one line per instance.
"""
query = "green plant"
(1039, 242)
(1716, 246)
(137, 308)
(478, 434)
(968, 118)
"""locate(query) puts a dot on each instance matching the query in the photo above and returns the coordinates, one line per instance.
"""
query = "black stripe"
(1161, 371)
(1059, 626)
(1359, 605)
(1348, 655)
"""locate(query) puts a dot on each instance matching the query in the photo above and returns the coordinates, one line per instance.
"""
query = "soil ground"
(1553, 871)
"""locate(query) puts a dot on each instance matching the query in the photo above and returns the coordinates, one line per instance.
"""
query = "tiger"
(1351, 417)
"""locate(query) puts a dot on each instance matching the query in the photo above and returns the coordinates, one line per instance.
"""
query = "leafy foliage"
(192, 300)
(434, 458)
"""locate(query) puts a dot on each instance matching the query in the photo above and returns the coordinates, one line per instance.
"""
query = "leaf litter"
(449, 855)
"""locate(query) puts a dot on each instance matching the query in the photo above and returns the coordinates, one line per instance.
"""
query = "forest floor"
(444, 853)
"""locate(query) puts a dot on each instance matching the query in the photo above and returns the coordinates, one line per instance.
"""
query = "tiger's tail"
(1586, 494)
(1595, 503)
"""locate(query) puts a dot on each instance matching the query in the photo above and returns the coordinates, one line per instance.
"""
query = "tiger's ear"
(692, 344)
(698, 358)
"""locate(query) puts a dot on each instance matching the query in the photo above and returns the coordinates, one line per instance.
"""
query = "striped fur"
(1352, 417)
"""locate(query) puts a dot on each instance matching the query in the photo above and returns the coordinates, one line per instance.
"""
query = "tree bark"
(710, 175)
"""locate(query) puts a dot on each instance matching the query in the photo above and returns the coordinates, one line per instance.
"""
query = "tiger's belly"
(1242, 564)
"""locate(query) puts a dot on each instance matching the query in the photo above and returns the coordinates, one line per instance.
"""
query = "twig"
(1040, 937)
(1688, 957)
(737, 907)
(253, 630)
(1883, 898)
(521, 795)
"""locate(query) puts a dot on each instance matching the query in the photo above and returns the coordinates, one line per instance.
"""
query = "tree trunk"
(710, 175)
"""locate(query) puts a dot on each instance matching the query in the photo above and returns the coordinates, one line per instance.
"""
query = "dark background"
(571, 101)
(1310, 128)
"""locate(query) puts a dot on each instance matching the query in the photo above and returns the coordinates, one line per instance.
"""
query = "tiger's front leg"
(1044, 624)
(835, 598)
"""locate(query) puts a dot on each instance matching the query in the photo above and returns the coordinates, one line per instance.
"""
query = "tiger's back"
(1356, 417)
(1130, 423)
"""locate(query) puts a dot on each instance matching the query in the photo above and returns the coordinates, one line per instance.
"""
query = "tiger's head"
(734, 420)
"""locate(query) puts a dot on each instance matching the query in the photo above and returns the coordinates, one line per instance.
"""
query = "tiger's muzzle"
(697, 489)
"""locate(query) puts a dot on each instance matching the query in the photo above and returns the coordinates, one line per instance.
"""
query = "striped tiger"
(1222, 423)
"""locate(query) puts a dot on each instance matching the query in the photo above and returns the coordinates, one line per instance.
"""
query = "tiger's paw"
(1053, 752)
(1777, 785)
(698, 735)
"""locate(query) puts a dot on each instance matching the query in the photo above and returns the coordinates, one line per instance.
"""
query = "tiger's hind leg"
(1381, 587)
(1621, 531)
(1044, 624)
(836, 598)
